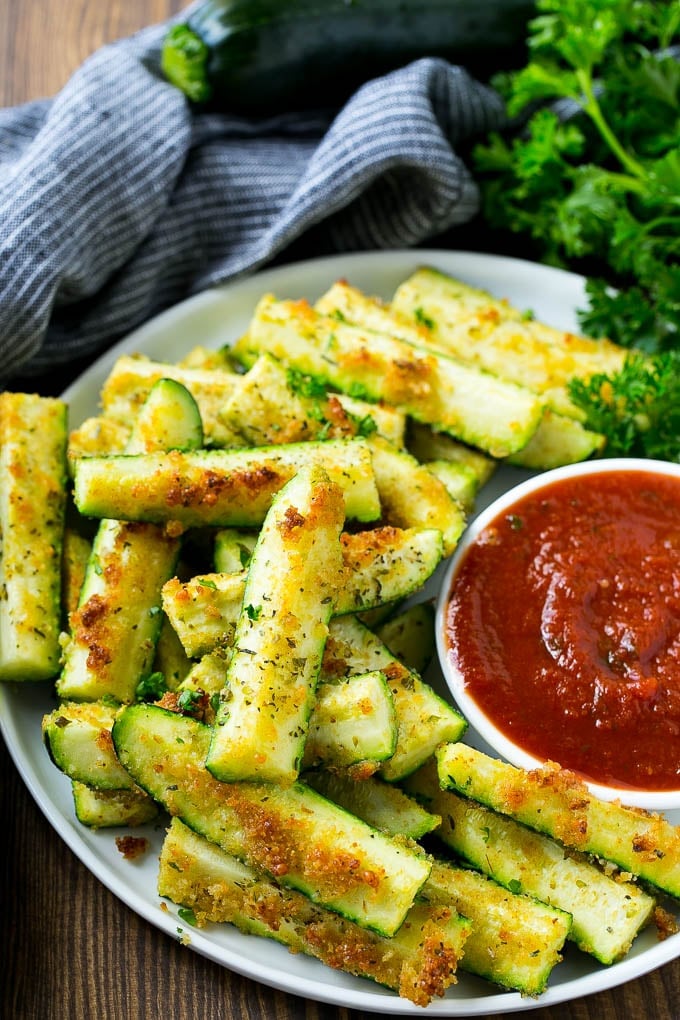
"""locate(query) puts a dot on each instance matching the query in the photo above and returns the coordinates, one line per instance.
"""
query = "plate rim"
(395, 261)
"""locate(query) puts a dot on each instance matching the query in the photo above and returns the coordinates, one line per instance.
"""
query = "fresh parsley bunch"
(592, 172)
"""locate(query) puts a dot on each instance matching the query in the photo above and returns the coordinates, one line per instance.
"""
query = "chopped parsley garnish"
(244, 554)
(305, 385)
(422, 318)
(151, 687)
(366, 426)
(357, 390)
(188, 701)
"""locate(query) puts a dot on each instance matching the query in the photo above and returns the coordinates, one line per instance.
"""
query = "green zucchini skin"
(267, 56)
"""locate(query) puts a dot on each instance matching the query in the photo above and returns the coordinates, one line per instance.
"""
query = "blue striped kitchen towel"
(118, 200)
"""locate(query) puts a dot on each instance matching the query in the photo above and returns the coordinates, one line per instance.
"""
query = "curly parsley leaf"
(636, 409)
(597, 189)
(151, 687)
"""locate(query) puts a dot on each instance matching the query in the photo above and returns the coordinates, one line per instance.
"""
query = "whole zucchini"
(266, 56)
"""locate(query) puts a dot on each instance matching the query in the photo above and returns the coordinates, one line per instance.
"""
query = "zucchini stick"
(233, 549)
(425, 313)
(557, 803)
(294, 576)
(409, 635)
(514, 941)
(419, 961)
(352, 723)
(291, 833)
(607, 913)
(379, 566)
(487, 412)
(115, 628)
(32, 508)
(273, 404)
(219, 487)
(383, 805)
(132, 377)
(501, 340)
(412, 496)
(559, 440)
(78, 739)
(428, 445)
(424, 719)
(109, 809)
(75, 554)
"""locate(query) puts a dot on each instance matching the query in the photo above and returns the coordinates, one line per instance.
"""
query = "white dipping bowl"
(484, 727)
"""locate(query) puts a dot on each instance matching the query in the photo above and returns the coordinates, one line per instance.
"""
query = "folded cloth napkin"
(117, 199)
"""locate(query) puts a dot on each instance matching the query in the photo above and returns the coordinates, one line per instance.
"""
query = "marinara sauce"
(564, 621)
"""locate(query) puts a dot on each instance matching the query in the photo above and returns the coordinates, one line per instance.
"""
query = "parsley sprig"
(598, 189)
(638, 408)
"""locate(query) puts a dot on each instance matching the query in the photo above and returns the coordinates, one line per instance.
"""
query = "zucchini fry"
(474, 406)
(409, 635)
(500, 340)
(291, 833)
(427, 445)
(78, 739)
(514, 941)
(382, 805)
(412, 496)
(170, 659)
(607, 913)
(75, 554)
(379, 566)
(425, 313)
(424, 719)
(114, 630)
(32, 509)
(273, 404)
(218, 487)
(294, 576)
(419, 961)
(352, 723)
(458, 480)
(111, 809)
(133, 376)
(233, 549)
(462, 470)
(557, 803)
(97, 437)
(559, 440)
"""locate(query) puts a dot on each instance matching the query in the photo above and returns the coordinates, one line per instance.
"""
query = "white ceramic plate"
(214, 318)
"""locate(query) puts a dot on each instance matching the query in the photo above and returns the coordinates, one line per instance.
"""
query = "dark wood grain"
(68, 947)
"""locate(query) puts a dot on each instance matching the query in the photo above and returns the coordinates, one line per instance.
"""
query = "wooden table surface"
(68, 947)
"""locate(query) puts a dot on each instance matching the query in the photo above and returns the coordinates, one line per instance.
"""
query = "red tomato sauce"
(564, 620)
